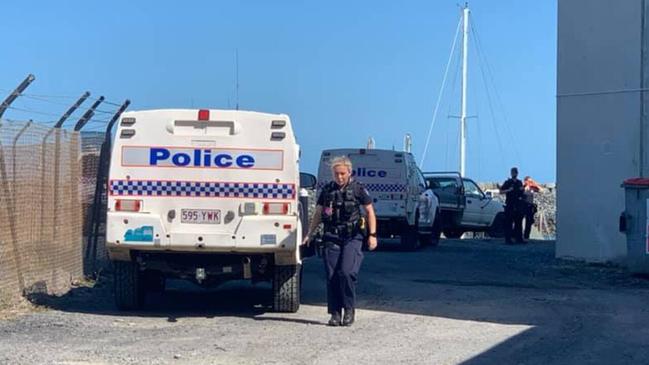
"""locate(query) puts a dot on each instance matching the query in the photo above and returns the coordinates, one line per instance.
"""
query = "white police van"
(204, 195)
(403, 205)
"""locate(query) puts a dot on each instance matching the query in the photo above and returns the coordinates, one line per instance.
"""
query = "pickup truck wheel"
(432, 238)
(128, 288)
(497, 229)
(453, 233)
(286, 288)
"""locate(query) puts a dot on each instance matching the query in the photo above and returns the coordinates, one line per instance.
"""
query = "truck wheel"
(453, 233)
(497, 229)
(286, 288)
(129, 293)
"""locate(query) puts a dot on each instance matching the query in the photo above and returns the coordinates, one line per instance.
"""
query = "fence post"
(88, 114)
(15, 94)
(57, 164)
(5, 184)
(72, 109)
(102, 171)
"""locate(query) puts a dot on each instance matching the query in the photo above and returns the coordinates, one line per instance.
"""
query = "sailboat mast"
(465, 64)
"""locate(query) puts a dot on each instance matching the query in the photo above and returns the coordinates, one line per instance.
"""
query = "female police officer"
(338, 207)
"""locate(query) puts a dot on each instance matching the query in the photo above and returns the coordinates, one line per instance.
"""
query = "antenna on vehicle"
(370, 143)
(407, 143)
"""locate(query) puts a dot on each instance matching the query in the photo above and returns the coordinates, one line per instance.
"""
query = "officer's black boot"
(335, 320)
(348, 319)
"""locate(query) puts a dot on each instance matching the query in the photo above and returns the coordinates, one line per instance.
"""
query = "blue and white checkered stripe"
(386, 188)
(381, 188)
(210, 189)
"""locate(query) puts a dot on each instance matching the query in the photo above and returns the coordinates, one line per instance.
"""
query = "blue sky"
(343, 70)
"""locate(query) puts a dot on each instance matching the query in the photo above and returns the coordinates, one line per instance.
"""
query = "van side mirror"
(307, 181)
(488, 194)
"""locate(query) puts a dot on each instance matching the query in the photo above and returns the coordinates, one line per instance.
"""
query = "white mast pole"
(465, 49)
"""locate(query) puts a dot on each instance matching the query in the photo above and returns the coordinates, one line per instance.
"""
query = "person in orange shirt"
(530, 187)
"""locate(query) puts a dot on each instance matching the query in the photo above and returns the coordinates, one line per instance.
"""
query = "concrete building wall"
(599, 122)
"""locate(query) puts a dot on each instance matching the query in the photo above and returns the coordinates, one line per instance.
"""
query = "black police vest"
(340, 205)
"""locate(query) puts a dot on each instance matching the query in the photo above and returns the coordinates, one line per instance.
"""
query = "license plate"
(200, 216)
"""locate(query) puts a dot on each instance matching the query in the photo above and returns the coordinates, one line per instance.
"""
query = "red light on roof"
(203, 114)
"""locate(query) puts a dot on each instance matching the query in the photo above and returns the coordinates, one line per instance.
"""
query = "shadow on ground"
(579, 313)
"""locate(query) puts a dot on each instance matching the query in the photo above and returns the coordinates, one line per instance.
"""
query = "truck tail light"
(204, 114)
(276, 208)
(128, 205)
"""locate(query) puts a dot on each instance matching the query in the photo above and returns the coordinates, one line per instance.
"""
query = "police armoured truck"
(204, 195)
(403, 205)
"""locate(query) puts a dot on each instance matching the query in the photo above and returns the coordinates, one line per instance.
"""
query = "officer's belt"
(348, 228)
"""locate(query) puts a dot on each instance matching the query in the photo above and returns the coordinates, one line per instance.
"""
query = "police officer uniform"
(513, 210)
(342, 241)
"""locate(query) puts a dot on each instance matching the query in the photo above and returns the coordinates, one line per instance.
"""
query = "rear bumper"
(211, 269)
(388, 227)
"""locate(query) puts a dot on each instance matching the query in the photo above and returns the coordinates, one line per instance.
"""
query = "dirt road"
(468, 302)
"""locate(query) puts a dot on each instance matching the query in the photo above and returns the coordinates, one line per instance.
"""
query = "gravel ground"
(469, 302)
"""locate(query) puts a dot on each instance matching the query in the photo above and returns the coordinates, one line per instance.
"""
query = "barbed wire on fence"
(48, 178)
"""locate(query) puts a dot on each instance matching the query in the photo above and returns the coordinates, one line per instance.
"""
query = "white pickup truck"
(464, 207)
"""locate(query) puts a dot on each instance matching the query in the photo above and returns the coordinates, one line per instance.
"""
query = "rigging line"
(491, 111)
(446, 134)
(479, 147)
(439, 96)
(497, 94)
(453, 89)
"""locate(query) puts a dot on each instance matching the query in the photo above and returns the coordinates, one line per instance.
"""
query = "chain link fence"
(95, 253)
(44, 197)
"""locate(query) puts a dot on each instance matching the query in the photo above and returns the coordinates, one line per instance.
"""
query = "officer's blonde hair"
(341, 160)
